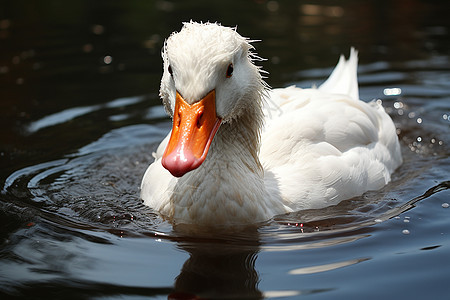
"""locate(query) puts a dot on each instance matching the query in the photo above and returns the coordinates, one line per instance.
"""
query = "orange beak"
(193, 130)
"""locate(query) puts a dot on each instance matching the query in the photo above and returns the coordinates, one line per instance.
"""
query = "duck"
(241, 153)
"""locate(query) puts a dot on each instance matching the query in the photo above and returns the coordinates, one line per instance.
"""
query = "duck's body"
(276, 152)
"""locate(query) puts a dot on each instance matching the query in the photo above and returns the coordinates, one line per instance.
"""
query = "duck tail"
(344, 78)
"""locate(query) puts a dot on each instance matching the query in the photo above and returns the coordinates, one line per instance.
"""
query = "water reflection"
(326, 267)
(212, 271)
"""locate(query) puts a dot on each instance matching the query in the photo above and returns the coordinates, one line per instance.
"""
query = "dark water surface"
(80, 117)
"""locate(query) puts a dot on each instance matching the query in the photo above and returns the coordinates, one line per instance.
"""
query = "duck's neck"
(237, 144)
(229, 186)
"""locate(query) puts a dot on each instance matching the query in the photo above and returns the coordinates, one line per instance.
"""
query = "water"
(80, 116)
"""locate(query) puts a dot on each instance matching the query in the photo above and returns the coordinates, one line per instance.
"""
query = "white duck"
(239, 153)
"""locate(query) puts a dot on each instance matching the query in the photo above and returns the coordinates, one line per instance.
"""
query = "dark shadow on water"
(214, 270)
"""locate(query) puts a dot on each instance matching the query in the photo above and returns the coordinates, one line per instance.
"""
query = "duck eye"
(229, 70)
(170, 70)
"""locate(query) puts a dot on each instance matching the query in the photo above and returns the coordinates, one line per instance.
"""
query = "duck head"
(209, 79)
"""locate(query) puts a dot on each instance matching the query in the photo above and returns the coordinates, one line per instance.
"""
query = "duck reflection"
(219, 269)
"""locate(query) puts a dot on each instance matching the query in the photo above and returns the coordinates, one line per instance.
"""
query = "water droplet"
(405, 231)
(107, 59)
(392, 92)
(398, 105)
(419, 120)
(445, 205)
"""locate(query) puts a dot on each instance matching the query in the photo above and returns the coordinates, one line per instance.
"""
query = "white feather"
(277, 151)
